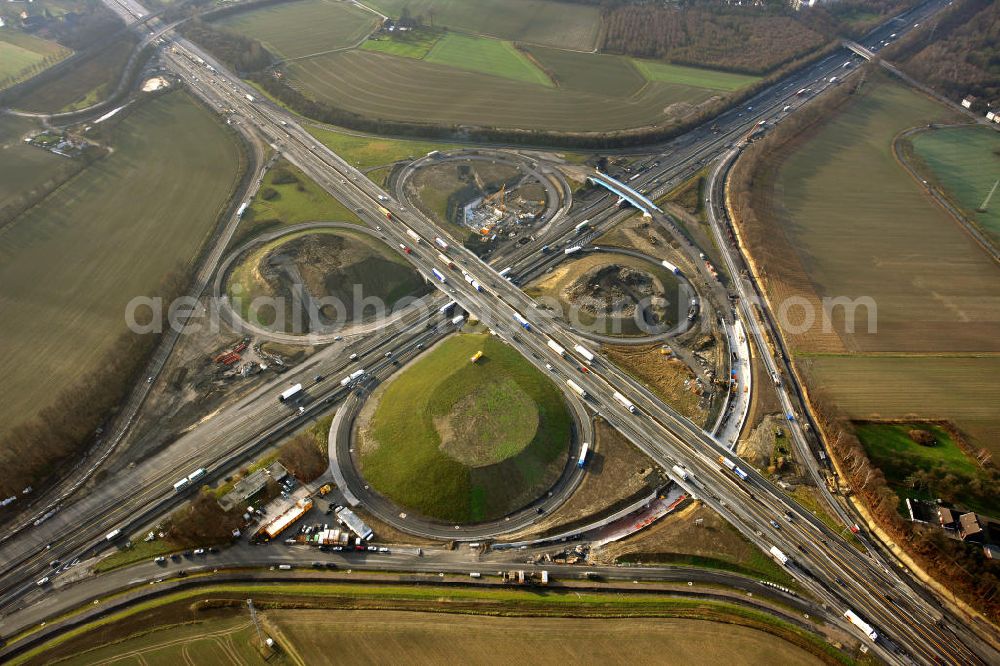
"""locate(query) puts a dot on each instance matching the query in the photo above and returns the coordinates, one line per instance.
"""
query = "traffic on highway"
(858, 587)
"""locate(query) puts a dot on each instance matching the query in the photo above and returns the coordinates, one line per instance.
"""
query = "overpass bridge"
(625, 193)
(862, 51)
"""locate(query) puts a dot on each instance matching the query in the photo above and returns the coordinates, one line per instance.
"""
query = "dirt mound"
(617, 290)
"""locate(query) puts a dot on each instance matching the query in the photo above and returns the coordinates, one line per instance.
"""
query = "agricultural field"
(380, 623)
(61, 316)
(331, 264)
(83, 85)
(415, 43)
(304, 27)
(223, 640)
(421, 638)
(850, 222)
(487, 56)
(962, 389)
(597, 74)
(383, 86)
(24, 168)
(965, 162)
(287, 196)
(937, 468)
(462, 441)
(545, 22)
(694, 76)
(367, 152)
(23, 55)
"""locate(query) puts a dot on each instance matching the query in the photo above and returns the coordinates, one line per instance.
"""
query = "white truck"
(414, 235)
(585, 353)
(572, 250)
(681, 472)
(556, 347)
(290, 393)
(670, 267)
(861, 624)
(576, 388)
(440, 243)
(625, 402)
(351, 377)
(778, 555)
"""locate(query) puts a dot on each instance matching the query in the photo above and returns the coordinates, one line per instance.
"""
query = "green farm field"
(464, 442)
(533, 21)
(488, 56)
(965, 161)
(958, 388)
(70, 265)
(693, 76)
(384, 86)
(954, 475)
(411, 44)
(304, 27)
(21, 53)
(592, 73)
(846, 220)
(366, 152)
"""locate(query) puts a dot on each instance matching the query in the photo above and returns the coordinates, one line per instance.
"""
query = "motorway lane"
(246, 563)
(366, 190)
(147, 489)
(501, 310)
(235, 321)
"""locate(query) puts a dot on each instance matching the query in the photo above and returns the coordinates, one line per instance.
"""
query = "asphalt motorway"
(830, 567)
(827, 565)
(407, 565)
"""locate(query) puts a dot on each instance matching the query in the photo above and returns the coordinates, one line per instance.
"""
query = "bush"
(922, 437)
(269, 194)
(282, 176)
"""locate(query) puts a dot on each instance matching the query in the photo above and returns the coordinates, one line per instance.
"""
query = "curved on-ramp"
(239, 324)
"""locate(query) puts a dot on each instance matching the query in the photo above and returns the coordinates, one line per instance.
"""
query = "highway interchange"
(910, 628)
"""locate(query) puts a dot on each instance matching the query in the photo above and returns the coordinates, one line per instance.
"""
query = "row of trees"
(961, 54)
(240, 53)
(963, 569)
(748, 41)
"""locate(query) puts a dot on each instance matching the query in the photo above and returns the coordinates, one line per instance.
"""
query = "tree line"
(738, 40)
(958, 56)
(962, 568)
